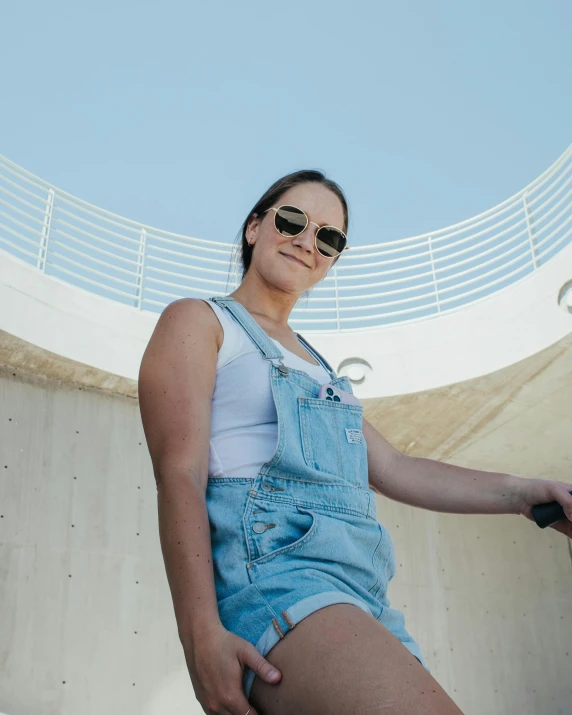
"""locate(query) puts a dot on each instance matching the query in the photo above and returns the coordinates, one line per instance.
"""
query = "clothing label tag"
(354, 435)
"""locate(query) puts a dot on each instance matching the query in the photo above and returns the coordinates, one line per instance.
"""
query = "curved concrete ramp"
(510, 325)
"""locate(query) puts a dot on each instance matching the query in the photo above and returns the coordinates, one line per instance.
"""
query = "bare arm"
(437, 486)
(176, 384)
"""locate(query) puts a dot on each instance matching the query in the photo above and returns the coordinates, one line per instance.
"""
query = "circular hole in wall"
(565, 297)
(355, 368)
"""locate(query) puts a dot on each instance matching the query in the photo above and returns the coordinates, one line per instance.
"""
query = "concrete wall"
(86, 619)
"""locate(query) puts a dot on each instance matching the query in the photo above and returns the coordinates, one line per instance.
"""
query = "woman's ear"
(252, 228)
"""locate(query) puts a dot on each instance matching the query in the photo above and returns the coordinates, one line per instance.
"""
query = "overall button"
(283, 370)
(269, 488)
(259, 527)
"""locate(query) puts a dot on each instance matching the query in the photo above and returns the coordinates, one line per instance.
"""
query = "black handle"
(547, 514)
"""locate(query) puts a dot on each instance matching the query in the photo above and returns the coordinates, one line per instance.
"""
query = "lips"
(293, 258)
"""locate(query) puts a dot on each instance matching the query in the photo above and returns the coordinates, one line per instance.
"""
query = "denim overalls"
(302, 533)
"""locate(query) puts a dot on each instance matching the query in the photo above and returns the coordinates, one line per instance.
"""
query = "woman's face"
(270, 248)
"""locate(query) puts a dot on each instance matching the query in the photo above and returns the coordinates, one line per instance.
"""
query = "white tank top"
(244, 427)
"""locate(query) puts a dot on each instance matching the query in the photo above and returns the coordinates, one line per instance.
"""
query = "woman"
(267, 521)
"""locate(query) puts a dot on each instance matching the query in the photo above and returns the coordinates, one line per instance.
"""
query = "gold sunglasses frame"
(272, 208)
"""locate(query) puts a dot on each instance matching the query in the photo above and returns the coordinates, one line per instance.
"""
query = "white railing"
(397, 281)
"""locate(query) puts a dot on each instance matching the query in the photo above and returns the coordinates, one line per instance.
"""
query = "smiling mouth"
(286, 255)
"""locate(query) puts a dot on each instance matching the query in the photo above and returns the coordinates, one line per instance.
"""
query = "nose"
(306, 239)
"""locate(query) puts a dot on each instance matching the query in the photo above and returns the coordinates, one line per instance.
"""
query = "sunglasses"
(292, 221)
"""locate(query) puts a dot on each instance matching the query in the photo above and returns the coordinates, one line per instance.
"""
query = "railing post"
(529, 229)
(337, 298)
(434, 274)
(45, 237)
(141, 266)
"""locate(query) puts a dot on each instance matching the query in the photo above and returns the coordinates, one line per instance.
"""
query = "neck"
(274, 306)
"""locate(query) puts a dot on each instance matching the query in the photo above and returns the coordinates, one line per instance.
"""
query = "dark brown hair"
(274, 194)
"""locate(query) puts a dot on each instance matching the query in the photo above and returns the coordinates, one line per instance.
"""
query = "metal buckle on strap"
(282, 369)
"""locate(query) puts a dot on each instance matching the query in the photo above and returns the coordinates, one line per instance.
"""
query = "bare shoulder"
(177, 378)
(190, 314)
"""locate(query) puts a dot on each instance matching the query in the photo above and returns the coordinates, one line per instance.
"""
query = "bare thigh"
(340, 660)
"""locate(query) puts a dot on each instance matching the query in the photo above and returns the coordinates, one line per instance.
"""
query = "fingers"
(258, 663)
(568, 509)
(564, 496)
(236, 703)
(252, 659)
(264, 669)
(564, 527)
(240, 706)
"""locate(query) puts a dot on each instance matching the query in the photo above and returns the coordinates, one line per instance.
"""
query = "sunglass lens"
(290, 221)
(330, 241)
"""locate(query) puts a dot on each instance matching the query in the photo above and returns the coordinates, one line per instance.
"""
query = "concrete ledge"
(30, 361)
(513, 324)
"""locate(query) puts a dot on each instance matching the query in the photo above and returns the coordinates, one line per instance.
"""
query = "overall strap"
(320, 358)
(269, 350)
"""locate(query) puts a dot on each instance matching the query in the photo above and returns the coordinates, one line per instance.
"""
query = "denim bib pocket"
(332, 438)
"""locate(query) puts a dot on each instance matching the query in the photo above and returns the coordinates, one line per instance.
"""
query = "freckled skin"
(340, 660)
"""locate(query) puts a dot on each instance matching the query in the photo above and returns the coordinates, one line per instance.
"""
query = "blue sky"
(181, 114)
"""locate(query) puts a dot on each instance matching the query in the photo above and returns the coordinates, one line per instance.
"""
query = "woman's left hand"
(541, 491)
